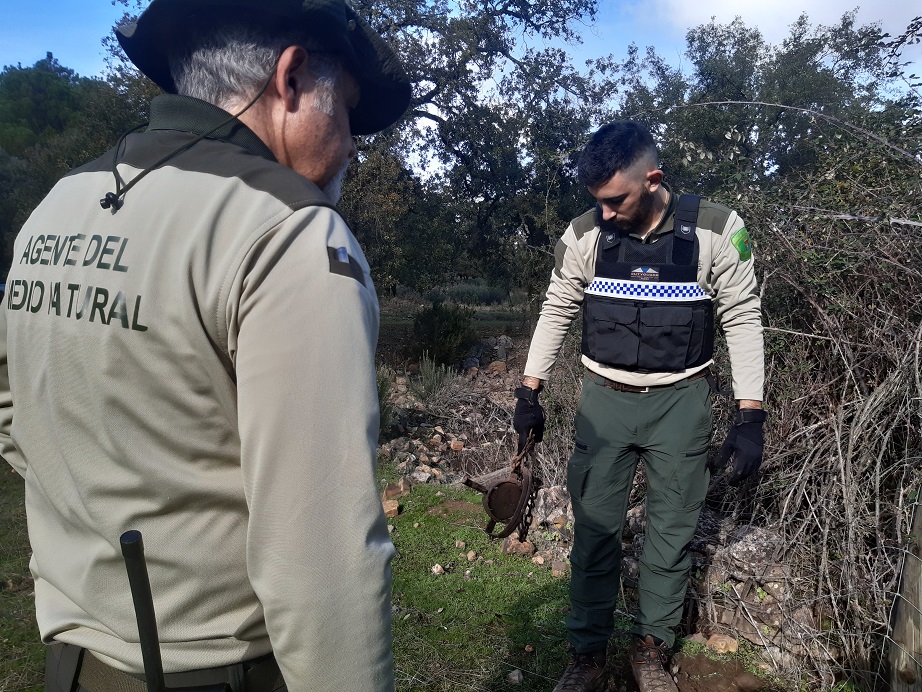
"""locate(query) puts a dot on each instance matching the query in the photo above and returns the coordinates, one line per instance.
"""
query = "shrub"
(432, 379)
(469, 292)
(444, 332)
(385, 377)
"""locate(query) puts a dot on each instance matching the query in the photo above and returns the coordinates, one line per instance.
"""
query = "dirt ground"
(697, 673)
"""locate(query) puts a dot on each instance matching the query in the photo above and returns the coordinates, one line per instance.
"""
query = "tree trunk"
(906, 647)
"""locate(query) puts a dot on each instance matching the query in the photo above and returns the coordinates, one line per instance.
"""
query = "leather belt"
(634, 389)
(259, 675)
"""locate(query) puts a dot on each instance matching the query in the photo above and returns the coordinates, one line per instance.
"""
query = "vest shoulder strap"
(686, 221)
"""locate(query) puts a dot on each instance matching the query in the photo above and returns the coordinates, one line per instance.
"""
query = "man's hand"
(744, 443)
(529, 416)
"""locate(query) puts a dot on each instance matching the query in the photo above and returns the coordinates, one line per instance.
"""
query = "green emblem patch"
(742, 244)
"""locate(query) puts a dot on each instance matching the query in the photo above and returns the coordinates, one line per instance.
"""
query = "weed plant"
(444, 332)
(432, 379)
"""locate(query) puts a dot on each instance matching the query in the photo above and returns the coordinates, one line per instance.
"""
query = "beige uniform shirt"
(199, 366)
(725, 272)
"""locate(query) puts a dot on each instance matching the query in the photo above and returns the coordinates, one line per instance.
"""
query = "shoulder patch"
(584, 223)
(344, 264)
(741, 242)
(712, 216)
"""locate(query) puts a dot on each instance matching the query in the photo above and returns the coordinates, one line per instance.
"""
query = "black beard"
(641, 221)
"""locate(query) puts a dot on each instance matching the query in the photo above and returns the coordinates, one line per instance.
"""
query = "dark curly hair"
(614, 147)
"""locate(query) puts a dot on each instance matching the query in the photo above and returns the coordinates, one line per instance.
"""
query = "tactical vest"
(644, 309)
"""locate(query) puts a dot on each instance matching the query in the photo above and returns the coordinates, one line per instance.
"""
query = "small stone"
(471, 556)
(515, 677)
(489, 563)
(440, 610)
(538, 560)
(457, 445)
(438, 569)
(391, 508)
(513, 546)
(392, 491)
(421, 477)
(390, 528)
(497, 366)
(467, 574)
(416, 525)
(439, 494)
(460, 545)
(529, 648)
(559, 568)
(435, 441)
(440, 430)
(722, 644)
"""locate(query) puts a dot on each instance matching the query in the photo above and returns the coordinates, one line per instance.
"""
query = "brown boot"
(648, 661)
(585, 673)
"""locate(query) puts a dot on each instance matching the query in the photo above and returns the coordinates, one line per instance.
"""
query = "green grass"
(21, 652)
(458, 631)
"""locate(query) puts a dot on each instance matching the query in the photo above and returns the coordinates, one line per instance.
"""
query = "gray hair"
(228, 66)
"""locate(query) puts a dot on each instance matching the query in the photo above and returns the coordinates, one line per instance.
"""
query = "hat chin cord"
(114, 200)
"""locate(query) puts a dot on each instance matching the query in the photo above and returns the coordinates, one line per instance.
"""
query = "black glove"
(528, 417)
(744, 443)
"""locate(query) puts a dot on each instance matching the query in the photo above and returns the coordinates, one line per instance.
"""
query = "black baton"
(133, 552)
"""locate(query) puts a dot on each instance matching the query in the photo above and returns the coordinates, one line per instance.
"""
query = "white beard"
(334, 188)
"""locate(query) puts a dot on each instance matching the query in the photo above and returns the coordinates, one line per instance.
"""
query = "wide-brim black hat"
(168, 25)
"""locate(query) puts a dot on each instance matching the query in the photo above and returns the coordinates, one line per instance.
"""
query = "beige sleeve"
(302, 333)
(739, 311)
(574, 259)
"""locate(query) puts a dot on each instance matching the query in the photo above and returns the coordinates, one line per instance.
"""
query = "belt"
(634, 389)
(258, 675)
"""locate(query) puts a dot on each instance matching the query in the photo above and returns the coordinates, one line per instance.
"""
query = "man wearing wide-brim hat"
(189, 337)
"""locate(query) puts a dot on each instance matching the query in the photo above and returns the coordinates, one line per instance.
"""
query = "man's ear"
(290, 76)
(654, 179)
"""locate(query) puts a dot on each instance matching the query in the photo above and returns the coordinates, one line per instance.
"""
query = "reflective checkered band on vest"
(646, 290)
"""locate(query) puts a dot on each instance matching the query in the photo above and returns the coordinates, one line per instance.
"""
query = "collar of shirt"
(666, 224)
(187, 114)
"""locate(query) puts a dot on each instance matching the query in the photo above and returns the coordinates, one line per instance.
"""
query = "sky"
(73, 29)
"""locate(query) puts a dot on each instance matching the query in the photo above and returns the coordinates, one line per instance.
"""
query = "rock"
(471, 556)
(457, 445)
(471, 363)
(529, 648)
(697, 638)
(538, 560)
(390, 528)
(461, 545)
(467, 574)
(722, 644)
(559, 568)
(421, 476)
(635, 522)
(504, 341)
(515, 677)
(416, 525)
(513, 546)
(438, 569)
(552, 506)
(497, 367)
(391, 508)
(435, 441)
(500, 353)
(630, 571)
(392, 491)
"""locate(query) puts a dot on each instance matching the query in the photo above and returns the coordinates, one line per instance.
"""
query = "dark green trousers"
(668, 429)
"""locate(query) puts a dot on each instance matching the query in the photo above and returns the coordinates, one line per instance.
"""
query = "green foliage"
(469, 292)
(432, 378)
(444, 332)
